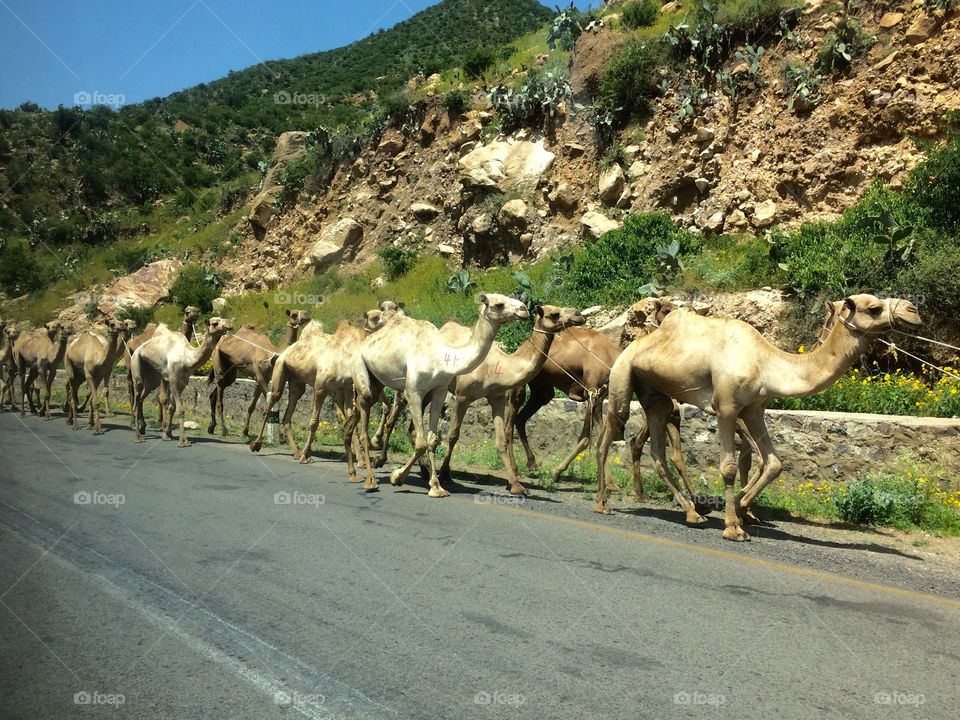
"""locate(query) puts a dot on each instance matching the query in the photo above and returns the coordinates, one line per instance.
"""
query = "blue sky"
(133, 50)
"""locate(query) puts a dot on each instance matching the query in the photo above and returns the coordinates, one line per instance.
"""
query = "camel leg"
(772, 466)
(636, 452)
(139, 422)
(212, 389)
(107, 412)
(399, 401)
(366, 389)
(376, 442)
(658, 409)
(94, 421)
(46, 377)
(133, 416)
(675, 452)
(73, 402)
(540, 395)
(436, 409)
(460, 406)
(415, 401)
(272, 399)
(163, 402)
(178, 410)
(295, 390)
(262, 388)
(229, 379)
(319, 395)
(498, 405)
(726, 429)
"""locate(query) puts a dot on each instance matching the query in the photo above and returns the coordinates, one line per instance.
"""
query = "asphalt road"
(147, 581)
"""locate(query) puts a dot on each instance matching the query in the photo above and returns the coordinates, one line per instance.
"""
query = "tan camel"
(412, 355)
(39, 354)
(726, 367)
(167, 359)
(296, 368)
(8, 365)
(190, 316)
(579, 366)
(90, 358)
(250, 353)
(496, 376)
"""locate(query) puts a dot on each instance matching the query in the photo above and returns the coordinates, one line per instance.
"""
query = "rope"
(249, 342)
(895, 349)
(570, 331)
(929, 340)
(590, 393)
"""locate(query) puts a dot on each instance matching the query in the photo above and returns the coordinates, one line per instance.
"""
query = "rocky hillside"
(454, 184)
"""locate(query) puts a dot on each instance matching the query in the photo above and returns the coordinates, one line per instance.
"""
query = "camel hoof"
(517, 489)
(211, 429)
(183, 443)
(555, 474)
(353, 480)
(602, 507)
(371, 486)
(396, 478)
(695, 518)
(640, 498)
(255, 446)
(437, 492)
(139, 440)
(378, 462)
(735, 533)
(305, 459)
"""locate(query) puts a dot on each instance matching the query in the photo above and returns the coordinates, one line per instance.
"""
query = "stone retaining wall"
(812, 445)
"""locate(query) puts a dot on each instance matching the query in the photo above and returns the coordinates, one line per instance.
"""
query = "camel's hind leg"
(658, 409)
(319, 395)
(460, 406)
(94, 421)
(771, 465)
(540, 395)
(295, 390)
(388, 425)
(501, 426)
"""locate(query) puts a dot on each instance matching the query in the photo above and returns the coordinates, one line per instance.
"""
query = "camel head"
(551, 318)
(373, 320)
(191, 314)
(297, 318)
(391, 310)
(872, 316)
(500, 309)
(218, 327)
(11, 333)
(52, 328)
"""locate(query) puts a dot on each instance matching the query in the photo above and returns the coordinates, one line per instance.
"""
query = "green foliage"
(640, 13)
(460, 282)
(802, 83)
(396, 261)
(19, 271)
(935, 186)
(197, 285)
(880, 499)
(629, 82)
(565, 28)
(930, 6)
(614, 155)
(140, 315)
(842, 45)
(478, 61)
(536, 102)
(614, 269)
(456, 101)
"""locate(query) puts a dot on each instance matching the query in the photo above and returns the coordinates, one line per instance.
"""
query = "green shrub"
(197, 285)
(842, 46)
(396, 261)
(456, 101)
(19, 271)
(478, 61)
(934, 185)
(140, 315)
(615, 268)
(640, 13)
(630, 80)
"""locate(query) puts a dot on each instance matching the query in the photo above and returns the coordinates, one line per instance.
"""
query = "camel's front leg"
(636, 453)
(772, 467)
(166, 426)
(726, 429)
(388, 426)
(540, 395)
(414, 402)
(436, 409)
(178, 408)
(107, 411)
(94, 421)
(295, 390)
(460, 406)
(133, 417)
(594, 409)
(46, 377)
(319, 395)
(501, 426)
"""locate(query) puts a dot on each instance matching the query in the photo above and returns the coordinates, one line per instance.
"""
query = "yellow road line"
(725, 554)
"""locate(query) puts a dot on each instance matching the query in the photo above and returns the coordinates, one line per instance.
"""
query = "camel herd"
(722, 366)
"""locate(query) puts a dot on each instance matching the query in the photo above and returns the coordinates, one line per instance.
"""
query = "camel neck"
(202, 352)
(790, 375)
(187, 329)
(289, 336)
(461, 359)
(530, 357)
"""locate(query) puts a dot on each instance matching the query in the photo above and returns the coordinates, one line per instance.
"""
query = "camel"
(8, 365)
(251, 353)
(167, 360)
(496, 376)
(413, 356)
(579, 366)
(91, 357)
(727, 368)
(190, 316)
(38, 354)
(296, 368)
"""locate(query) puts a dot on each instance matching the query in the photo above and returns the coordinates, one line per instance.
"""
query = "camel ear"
(482, 299)
(849, 304)
(538, 309)
(287, 311)
(828, 308)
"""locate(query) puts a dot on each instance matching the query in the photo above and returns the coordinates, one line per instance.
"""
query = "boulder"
(219, 304)
(482, 224)
(890, 19)
(506, 165)
(596, 224)
(337, 242)
(764, 213)
(446, 249)
(144, 288)
(392, 142)
(921, 29)
(290, 146)
(705, 134)
(470, 130)
(611, 184)
(424, 212)
(563, 198)
(513, 215)
(670, 7)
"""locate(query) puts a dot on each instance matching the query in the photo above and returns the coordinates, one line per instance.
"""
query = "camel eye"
(499, 306)
(875, 310)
